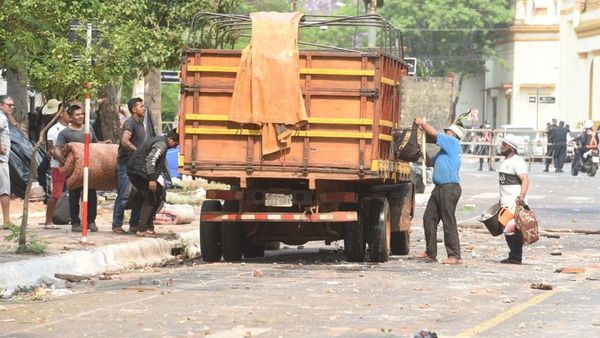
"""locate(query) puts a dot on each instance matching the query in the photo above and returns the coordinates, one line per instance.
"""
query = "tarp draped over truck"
(268, 78)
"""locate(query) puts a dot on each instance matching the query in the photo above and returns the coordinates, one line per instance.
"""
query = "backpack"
(406, 148)
(527, 223)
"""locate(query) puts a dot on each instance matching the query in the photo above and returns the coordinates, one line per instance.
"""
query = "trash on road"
(541, 286)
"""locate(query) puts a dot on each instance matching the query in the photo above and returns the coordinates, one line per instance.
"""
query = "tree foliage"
(450, 35)
(131, 37)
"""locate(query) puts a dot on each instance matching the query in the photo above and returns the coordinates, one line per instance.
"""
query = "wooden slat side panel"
(331, 96)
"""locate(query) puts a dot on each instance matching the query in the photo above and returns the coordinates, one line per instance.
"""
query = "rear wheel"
(593, 170)
(231, 235)
(252, 250)
(400, 243)
(354, 243)
(379, 230)
(210, 234)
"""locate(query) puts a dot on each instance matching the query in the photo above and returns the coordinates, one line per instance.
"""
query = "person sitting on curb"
(144, 169)
(513, 183)
(444, 197)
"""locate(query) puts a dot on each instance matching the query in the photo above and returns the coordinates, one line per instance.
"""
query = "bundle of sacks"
(102, 169)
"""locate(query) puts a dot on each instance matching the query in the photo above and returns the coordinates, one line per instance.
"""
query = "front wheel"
(379, 230)
(574, 168)
(400, 243)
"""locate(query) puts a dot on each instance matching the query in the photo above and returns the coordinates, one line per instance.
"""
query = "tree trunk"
(108, 112)
(152, 98)
(17, 89)
(33, 165)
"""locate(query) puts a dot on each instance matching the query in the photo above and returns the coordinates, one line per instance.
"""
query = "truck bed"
(352, 101)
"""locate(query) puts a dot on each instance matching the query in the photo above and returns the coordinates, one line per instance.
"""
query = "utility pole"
(372, 9)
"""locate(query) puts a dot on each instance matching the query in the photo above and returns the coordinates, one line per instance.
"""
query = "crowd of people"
(141, 167)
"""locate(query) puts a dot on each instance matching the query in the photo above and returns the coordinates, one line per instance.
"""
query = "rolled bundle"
(103, 166)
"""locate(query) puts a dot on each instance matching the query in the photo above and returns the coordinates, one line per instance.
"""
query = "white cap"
(588, 124)
(512, 141)
(458, 131)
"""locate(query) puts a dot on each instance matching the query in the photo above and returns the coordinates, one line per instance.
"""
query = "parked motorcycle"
(587, 164)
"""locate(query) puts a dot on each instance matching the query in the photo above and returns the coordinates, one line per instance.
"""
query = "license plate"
(596, 159)
(278, 200)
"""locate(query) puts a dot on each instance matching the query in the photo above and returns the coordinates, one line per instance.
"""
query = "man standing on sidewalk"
(133, 136)
(58, 179)
(514, 183)
(7, 106)
(444, 197)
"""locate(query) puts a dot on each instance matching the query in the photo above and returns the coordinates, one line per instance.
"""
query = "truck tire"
(400, 243)
(210, 234)
(272, 245)
(379, 230)
(231, 235)
(354, 242)
(252, 250)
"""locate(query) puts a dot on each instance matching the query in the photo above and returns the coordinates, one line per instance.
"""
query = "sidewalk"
(66, 253)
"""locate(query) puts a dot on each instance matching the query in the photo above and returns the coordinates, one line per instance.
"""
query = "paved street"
(311, 291)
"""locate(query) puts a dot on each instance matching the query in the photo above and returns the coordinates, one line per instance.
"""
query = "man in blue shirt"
(444, 197)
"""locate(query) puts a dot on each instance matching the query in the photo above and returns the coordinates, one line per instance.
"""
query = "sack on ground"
(61, 214)
(527, 223)
(172, 214)
(406, 144)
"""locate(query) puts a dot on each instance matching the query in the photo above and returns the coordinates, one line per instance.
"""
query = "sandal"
(426, 257)
(452, 261)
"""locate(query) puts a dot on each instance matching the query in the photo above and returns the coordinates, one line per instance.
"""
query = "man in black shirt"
(144, 169)
(133, 135)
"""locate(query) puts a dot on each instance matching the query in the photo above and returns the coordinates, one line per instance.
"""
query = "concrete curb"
(113, 257)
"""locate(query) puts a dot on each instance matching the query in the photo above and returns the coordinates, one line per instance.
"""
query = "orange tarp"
(267, 90)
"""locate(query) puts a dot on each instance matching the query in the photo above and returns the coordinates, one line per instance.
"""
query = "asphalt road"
(312, 292)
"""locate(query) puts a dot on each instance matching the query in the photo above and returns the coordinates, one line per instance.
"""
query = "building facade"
(549, 66)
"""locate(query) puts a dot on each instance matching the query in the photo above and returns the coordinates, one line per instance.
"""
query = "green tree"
(450, 35)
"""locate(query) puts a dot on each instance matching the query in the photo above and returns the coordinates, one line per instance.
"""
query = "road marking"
(488, 324)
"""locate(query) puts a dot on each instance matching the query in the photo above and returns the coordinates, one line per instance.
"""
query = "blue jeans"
(122, 198)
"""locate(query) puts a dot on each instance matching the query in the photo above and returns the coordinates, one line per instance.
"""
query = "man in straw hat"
(514, 183)
(444, 197)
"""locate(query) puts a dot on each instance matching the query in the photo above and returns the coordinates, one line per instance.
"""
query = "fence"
(485, 144)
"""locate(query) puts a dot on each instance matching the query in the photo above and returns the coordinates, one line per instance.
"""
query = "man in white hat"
(514, 183)
(51, 107)
(444, 197)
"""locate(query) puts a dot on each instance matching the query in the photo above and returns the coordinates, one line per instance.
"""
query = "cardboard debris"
(571, 270)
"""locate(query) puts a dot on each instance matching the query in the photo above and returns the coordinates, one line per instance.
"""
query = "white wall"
(471, 96)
